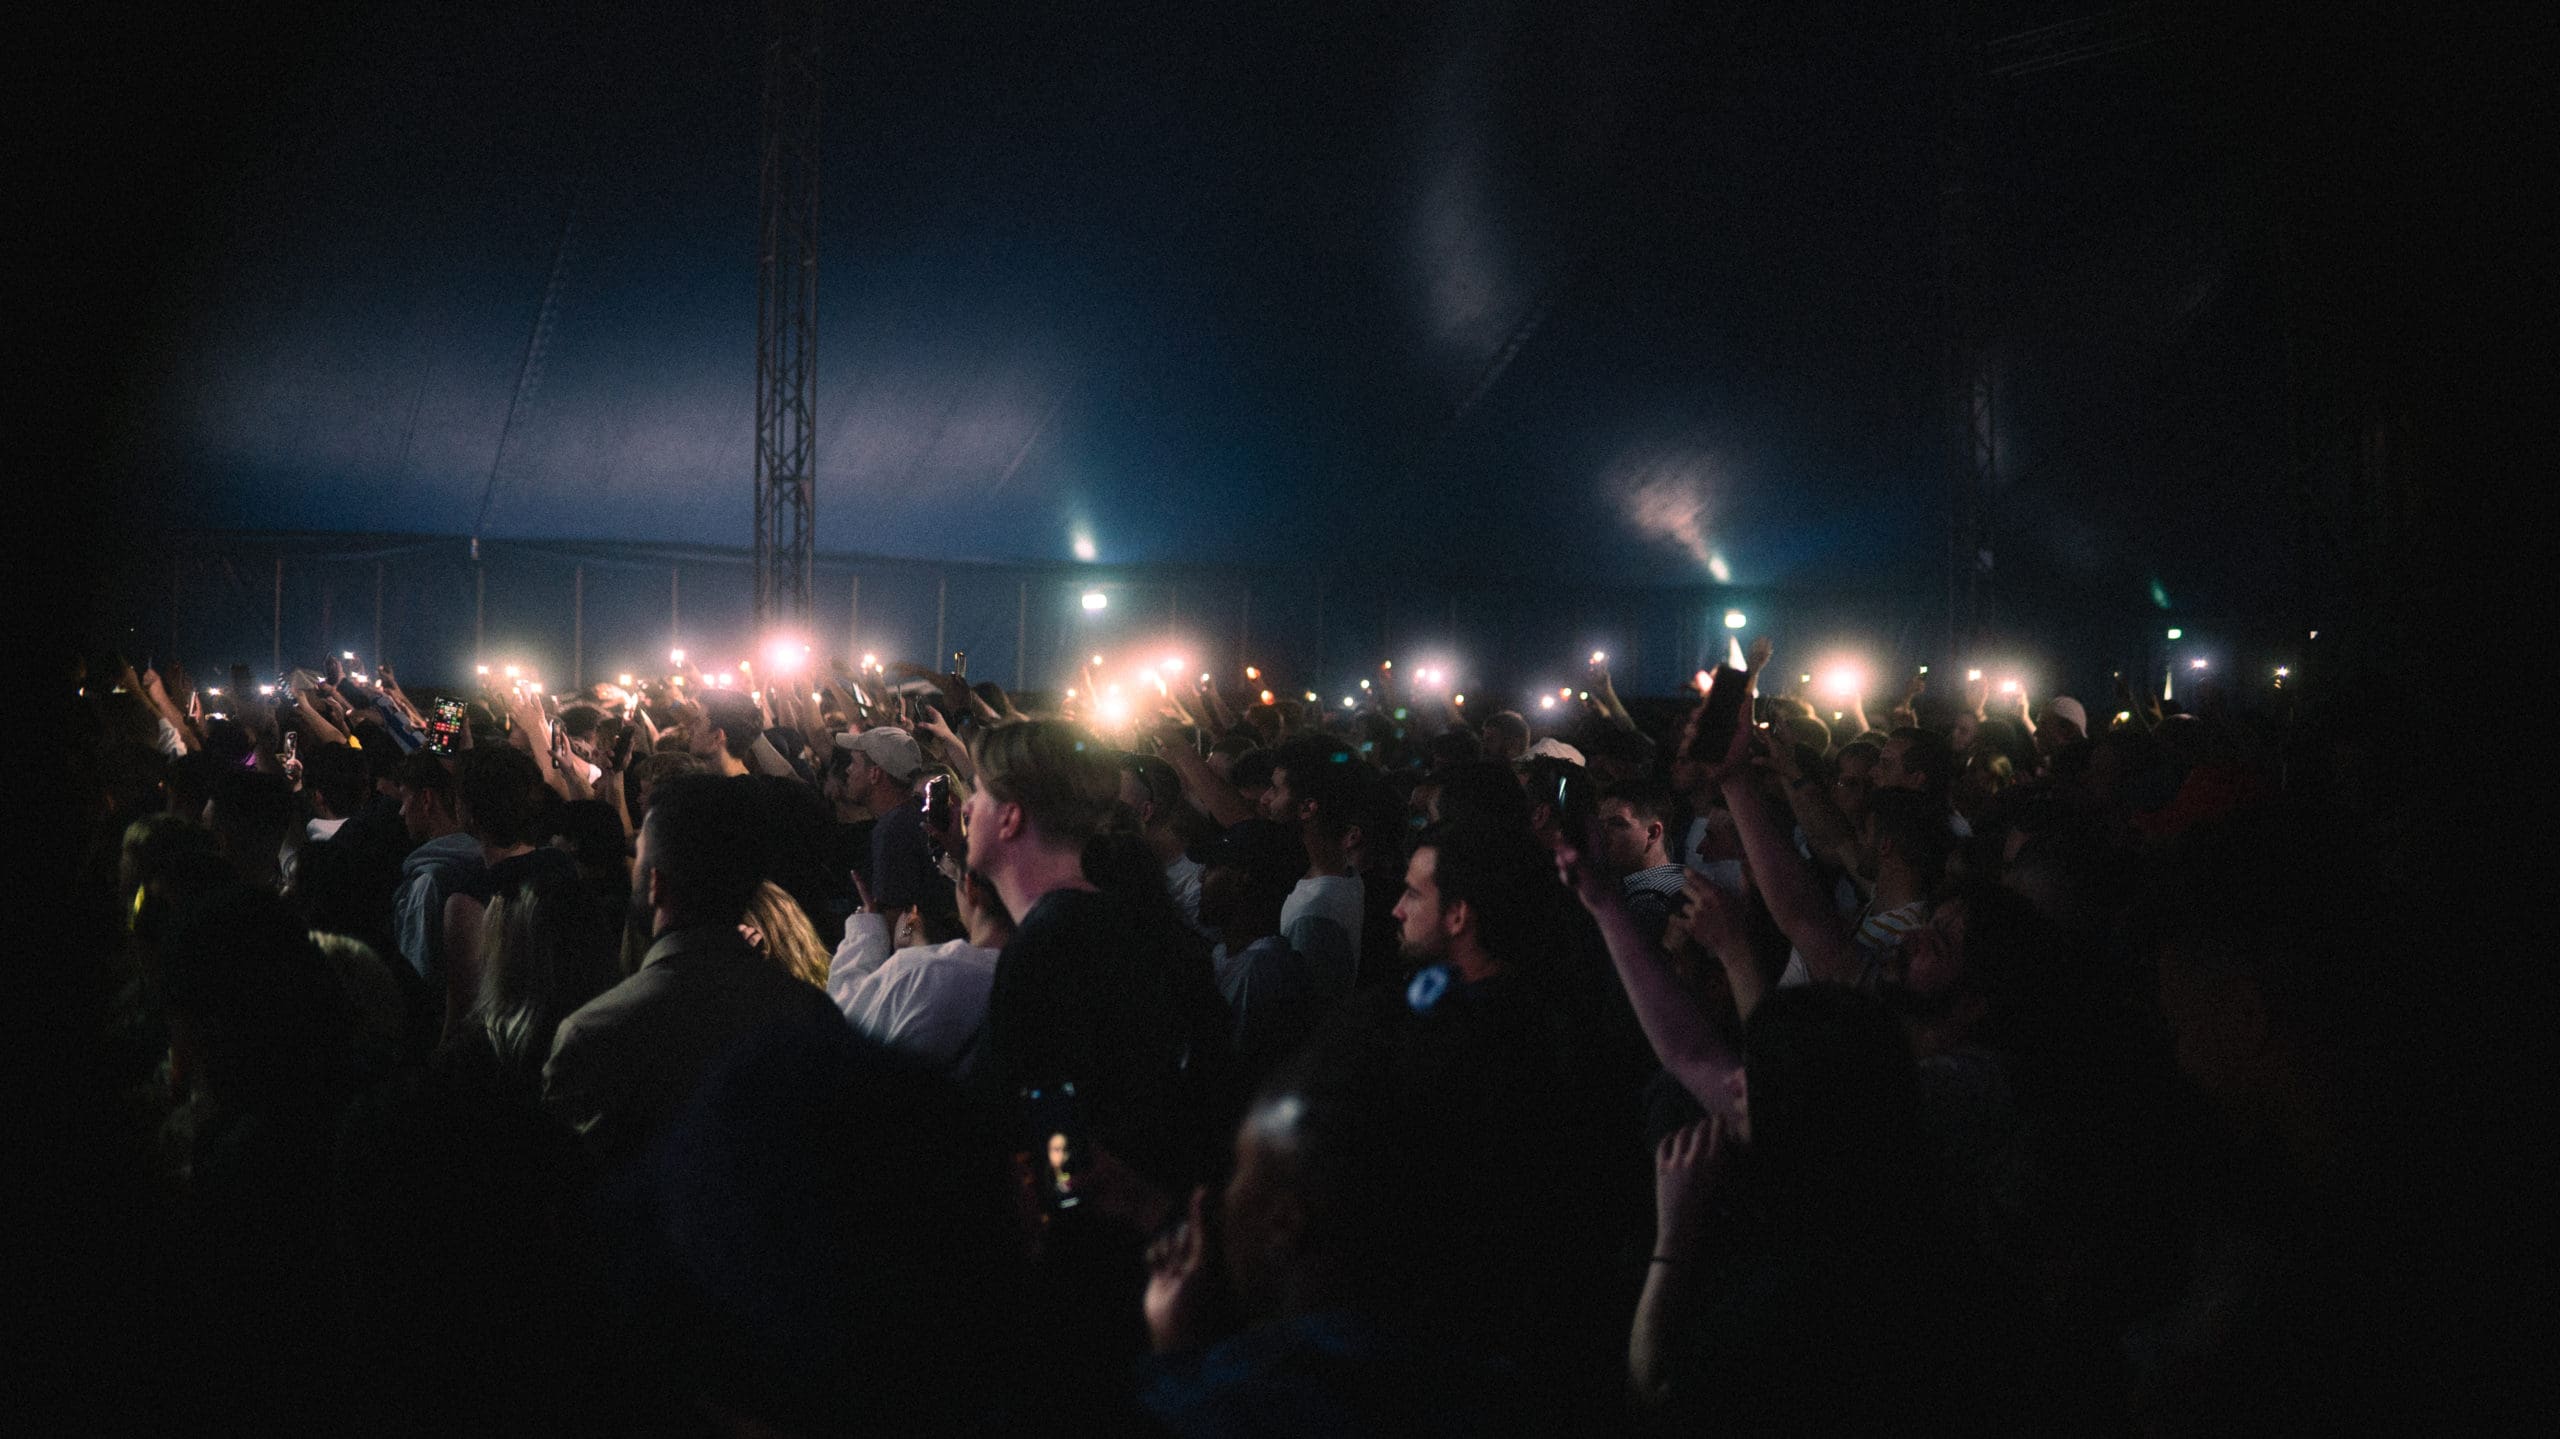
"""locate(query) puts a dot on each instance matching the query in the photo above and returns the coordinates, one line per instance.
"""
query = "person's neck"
(886, 796)
(1034, 872)
(441, 831)
(1654, 858)
(492, 853)
(1468, 957)
(1165, 843)
(727, 765)
(1324, 856)
(1897, 886)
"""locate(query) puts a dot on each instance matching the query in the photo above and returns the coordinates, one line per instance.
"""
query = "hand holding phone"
(1058, 1139)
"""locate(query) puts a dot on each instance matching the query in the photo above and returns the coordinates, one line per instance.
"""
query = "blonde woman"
(775, 925)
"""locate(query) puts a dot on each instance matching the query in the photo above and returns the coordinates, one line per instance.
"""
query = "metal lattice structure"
(786, 475)
(1969, 310)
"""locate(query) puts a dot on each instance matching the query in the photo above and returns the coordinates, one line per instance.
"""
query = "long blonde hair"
(788, 938)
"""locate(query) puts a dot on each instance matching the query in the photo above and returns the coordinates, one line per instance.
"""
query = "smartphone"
(1716, 724)
(935, 801)
(960, 663)
(622, 746)
(444, 731)
(1055, 1126)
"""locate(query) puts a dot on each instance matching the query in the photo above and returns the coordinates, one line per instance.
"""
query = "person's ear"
(1009, 822)
(657, 888)
(1653, 833)
(1457, 916)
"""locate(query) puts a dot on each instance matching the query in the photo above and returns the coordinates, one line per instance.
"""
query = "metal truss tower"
(1969, 310)
(786, 476)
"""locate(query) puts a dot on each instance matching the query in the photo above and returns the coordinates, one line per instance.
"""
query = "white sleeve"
(865, 945)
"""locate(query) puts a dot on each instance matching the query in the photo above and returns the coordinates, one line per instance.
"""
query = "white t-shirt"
(1182, 878)
(1322, 920)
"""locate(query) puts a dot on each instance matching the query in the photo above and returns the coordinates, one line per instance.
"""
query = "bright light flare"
(1096, 601)
(1266, 696)
(484, 669)
(1844, 681)
(1083, 546)
(514, 672)
(1364, 684)
(1973, 674)
(1733, 654)
(1735, 619)
(2008, 687)
(1114, 710)
(271, 689)
(1546, 702)
(2282, 671)
(785, 654)
(2177, 634)
(675, 657)
(623, 680)
(1252, 673)
(1599, 657)
(1171, 664)
(1349, 703)
(1311, 696)
(2197, 664)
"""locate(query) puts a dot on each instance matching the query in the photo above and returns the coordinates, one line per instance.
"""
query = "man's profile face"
(1891, 771)
(415, 815)
(1850, 788)
(1623, 837)
(1278, 805)
(978, 826)
(706, 740)
(1418, 911)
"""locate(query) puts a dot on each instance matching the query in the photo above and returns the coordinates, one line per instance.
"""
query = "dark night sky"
(1211, 285)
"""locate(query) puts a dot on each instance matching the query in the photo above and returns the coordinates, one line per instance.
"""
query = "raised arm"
(1679, 1031)
(1200, 784)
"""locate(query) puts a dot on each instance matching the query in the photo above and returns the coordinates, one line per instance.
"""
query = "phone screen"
(1723, 713)
(444, 732)
(1055, 1129)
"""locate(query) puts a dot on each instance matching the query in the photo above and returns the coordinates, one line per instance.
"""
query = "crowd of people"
(883, 1052)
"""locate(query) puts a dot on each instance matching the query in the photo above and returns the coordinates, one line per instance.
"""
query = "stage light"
(1083, 545)
(1266, 696)
(1973, 674)
(2176, 633)
(1096, 600)
(1735, 619)
(623, 680)
(1251, 673)
(1599, 657)
(1546, 702)
(1845, 680)
(675, 657)
(1114, 710)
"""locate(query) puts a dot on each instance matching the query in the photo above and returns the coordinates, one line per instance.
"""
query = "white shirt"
(1182, 878)
(929, 1000)
(320, 829)
(1322, 921)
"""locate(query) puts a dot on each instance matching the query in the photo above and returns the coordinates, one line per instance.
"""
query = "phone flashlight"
(1973, 674)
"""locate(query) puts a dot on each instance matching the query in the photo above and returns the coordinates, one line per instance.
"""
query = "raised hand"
(1686, 1166)
(1180, 1293)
